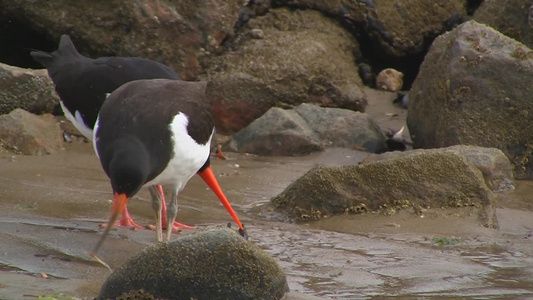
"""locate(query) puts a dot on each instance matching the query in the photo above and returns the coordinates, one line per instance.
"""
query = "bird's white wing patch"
(187, 155)
(77, 121)
(93, 137)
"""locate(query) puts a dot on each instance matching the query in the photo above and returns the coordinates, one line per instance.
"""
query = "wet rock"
(492, 162)
(418, 181)
(459, 98)
(31, 90)
(396, 28)
(211, 264)
(178, 33)
(277, 132)
(508, 17)
(30, 134)
(302, 56)
(305, 129)
(389, 80)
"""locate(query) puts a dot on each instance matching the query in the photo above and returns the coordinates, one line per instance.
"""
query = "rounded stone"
(210, 264)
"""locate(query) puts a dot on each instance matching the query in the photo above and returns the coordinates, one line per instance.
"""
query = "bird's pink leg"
(126, 221)
(177, 226)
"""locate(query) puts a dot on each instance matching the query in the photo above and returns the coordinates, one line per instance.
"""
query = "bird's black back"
(143, 110)
(83, 83)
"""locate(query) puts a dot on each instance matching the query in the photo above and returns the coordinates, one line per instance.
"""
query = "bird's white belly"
(188, 156)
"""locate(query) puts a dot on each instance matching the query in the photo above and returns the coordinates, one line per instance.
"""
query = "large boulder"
(29, 134)
(31, 90)
(421, 180)
(396, 28)
(210, 264)
(510, 17)
(282, 59)
(308, 128)
(474, 88)
(177, 32)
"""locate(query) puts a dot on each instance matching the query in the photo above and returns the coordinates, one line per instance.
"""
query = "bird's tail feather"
(65, 53)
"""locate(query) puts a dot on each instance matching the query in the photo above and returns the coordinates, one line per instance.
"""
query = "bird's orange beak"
(119, 203)
(209, 178)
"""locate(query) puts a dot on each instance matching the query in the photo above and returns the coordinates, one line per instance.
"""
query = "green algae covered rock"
(211, 264)
(419, 180)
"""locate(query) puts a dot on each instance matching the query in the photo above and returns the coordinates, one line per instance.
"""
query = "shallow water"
(51, 206)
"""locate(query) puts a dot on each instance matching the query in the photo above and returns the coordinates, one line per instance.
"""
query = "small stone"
(257, 34)
(389, 80)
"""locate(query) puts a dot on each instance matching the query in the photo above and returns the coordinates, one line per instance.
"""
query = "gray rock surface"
(308, 128)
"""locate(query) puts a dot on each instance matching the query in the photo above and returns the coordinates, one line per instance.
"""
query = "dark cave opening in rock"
(17, 40)
(378, 59)
(472, 5)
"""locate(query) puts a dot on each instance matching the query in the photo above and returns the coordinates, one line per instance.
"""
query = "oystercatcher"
(83, 84)
(152, 132)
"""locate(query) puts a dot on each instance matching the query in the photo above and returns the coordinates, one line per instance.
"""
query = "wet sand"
(51, 206)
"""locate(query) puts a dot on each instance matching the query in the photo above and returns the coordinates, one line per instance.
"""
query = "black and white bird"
(152, 132)
(83, 84)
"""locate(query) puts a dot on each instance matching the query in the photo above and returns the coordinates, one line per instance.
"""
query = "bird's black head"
(128, 170)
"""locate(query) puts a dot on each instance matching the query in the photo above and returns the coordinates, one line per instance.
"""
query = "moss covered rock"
(421, 180)
(31, 90)
(211, 264)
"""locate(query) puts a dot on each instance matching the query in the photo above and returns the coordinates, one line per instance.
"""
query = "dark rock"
(397, 28)
(419, 181)
(474, 88)
(305, 129)
(211, 264)
(178, 33)
(31, 90)
(366, 74)
(302, 57)
(29, 134)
